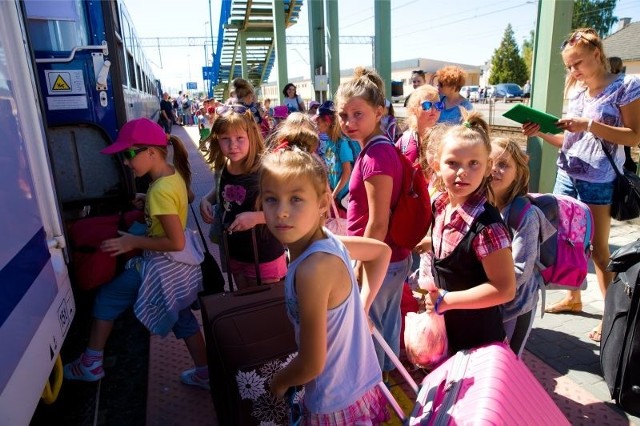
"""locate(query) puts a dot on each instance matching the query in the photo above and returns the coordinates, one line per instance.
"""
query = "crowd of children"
(277, 172)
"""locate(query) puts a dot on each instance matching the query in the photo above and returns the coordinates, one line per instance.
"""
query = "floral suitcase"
(248, 338)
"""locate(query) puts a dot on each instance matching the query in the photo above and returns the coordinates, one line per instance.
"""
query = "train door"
(36, 301)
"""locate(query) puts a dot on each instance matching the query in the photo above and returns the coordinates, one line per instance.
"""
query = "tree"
(527, 52)
(596, 14)
(507, 66)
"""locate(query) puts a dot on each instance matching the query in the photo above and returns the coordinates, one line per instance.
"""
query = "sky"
(465, 31)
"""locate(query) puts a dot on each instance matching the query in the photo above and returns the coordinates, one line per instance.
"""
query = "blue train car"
(71, 74)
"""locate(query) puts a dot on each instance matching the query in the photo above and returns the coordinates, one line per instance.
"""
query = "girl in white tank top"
(336, 360)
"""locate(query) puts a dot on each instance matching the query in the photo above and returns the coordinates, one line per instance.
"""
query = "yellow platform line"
(404, 401)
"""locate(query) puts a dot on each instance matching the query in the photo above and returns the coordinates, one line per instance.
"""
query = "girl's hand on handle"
(139, 200)
(206, 210)
(531, 129)
(245, 221)
(120, 245)
(277, 388)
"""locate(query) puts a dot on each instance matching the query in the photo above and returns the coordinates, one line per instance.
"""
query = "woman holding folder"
(603, 107)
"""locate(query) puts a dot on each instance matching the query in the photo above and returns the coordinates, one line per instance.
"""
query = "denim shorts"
(116, 296)
(599, 194)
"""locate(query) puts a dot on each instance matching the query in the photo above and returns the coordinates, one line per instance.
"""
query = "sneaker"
(76, 370)
(189, 377)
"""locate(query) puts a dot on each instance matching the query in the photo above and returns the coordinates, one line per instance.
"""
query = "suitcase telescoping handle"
(403, 371)
(256, 259)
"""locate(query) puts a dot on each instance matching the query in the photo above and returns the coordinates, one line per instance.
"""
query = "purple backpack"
(564, 257)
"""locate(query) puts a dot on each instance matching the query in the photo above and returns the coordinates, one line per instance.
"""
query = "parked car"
(507, 92)
(470, 92)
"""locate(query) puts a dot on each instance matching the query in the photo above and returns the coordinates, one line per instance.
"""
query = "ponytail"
(181, 163)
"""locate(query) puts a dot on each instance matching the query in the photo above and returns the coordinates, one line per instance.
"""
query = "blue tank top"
(351, 367)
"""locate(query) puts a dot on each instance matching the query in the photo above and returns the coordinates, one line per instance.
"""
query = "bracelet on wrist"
(439, 301)
(589, 125)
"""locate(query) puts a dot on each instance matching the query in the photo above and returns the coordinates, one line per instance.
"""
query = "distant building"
(625, 43)
(400, 72)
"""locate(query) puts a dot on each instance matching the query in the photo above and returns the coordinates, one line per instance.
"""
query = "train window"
(123, 68)
(56, 26)
(141, 82)
(131, 70)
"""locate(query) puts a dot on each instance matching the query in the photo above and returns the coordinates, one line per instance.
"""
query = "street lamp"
(189, 65)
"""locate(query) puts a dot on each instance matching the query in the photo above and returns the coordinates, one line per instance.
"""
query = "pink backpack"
(564, 257)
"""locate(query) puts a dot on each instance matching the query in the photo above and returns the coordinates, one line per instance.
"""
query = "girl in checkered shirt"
(472, 265)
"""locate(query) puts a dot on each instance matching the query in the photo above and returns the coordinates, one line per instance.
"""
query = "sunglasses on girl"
(571, 41)
(240, 109)
(131, 153)
(427, 105)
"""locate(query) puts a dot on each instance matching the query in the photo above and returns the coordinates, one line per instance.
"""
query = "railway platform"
(558, 352)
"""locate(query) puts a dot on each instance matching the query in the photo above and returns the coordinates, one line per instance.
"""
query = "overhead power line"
(201, 41)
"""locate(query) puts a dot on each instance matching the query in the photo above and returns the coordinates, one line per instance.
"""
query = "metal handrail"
(69, 58)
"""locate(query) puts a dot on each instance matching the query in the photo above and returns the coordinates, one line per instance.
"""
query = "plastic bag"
(425, 337)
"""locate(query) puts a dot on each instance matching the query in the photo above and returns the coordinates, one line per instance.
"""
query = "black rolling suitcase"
(248, 337)
(620, 342)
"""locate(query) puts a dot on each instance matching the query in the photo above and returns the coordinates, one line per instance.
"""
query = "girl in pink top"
(374, 190)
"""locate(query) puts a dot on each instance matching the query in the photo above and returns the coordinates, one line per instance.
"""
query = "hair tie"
(466, 124)
(283, 146)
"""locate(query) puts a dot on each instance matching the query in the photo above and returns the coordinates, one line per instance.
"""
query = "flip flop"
(595, 334)
(564, 306)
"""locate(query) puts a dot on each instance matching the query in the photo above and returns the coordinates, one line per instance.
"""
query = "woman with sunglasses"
(604, 108)
(292, 100)
(160, 287)
(423, 112)
(450, 81)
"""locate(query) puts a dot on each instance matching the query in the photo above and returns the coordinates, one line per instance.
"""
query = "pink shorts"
(269, 271)
(370, 409)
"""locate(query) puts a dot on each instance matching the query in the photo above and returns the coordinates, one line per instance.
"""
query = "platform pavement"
(559, 340)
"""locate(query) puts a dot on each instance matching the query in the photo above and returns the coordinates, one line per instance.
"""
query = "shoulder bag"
(626, 192)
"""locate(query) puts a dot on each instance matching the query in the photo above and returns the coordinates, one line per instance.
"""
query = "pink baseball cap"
(140, 131)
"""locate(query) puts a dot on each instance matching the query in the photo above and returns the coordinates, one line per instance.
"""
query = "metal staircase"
(254, 20)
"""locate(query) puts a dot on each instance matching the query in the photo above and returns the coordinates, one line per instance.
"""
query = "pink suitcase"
(487, 385)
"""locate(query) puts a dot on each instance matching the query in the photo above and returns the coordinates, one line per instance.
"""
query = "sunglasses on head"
(130, 153)
(571, 41)
(420, 72)
(427, 105)
(240, 109)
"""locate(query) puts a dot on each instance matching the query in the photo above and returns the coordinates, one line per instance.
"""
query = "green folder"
(523, 114)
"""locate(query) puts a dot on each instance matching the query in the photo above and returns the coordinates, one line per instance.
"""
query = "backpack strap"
(519, 207)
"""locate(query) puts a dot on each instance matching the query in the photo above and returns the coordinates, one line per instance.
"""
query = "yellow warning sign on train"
(67, 82)
(60, 84)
